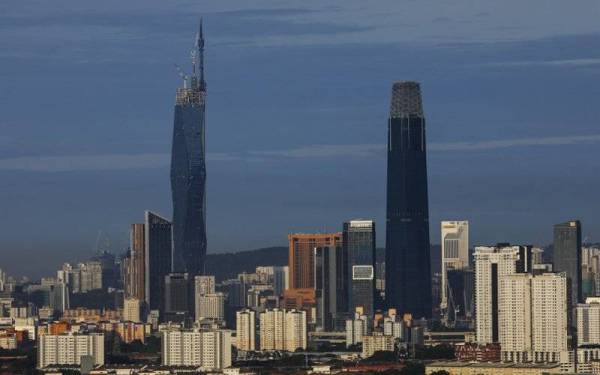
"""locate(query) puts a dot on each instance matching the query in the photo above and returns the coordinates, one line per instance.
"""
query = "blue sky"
(298, 95)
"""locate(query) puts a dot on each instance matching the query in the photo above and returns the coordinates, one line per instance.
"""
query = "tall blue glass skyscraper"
(188, 169)
(407, 267)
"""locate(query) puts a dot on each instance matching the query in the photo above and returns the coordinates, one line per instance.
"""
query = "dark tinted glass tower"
(177, 297)
(330, 285)
(408, 280)
(157, 259)
(359, 244)
(567, 255)
(188, 170)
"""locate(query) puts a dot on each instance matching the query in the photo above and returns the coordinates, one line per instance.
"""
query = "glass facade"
(188, 172)
(359, 245)
(408, 279)
(157, 258)
(567, 256)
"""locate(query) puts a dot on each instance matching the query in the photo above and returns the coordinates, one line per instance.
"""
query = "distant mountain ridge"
(229, 265)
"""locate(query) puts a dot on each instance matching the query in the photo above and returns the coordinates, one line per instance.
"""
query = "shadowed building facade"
(188, 170)
(301, 256)
(408, 279)
(157, 259)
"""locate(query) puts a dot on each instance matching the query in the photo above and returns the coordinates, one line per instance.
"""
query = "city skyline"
(250, 156)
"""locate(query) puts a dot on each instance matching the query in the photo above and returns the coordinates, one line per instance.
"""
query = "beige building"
(356, 329)
(246, 330)
(455, 252)
(377, 343)
(491, 264)
(210, 306)
(533, 317)
(208, 349)
(67, 349)
(283, 330)
(132, 310)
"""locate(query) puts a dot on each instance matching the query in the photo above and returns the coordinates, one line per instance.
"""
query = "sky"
(298, 98)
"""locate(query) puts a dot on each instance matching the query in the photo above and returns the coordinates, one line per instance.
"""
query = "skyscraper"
(359, 246)
(157, 259)
(408, 278)
(567, 256)
(188, 169)
(330, 284)
(455, 252)
(134, 282)
(302, 256)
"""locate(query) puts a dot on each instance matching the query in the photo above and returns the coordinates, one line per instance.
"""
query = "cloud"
(69, 163)
(567, 63)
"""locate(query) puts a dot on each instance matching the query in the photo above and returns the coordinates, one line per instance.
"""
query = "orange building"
(301, 256)
(300, 299)
(135, 286)
(82, 314)
(127, 331)
(57, 328)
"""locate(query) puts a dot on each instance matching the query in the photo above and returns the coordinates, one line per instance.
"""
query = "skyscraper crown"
(406, 99)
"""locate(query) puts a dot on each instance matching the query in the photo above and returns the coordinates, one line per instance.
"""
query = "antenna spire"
(199, 63)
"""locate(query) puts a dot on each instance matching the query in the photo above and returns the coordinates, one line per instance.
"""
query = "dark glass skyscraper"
(157, 259)
(359, 246)
(408, 279)
(330, 284)
(567, 256)
(188, 170)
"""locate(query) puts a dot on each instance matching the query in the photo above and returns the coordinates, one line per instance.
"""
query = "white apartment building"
(377, 343)
(283, 330)
(210, 306)
(455, 252)
(356, 329)
(67, 349)
(533, 317)
(208, 349)
(246, 330)
(588, 322)
(491, 264)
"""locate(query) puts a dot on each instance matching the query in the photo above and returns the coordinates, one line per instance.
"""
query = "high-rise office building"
(359, 247)
(208, 349)
(491, 263)
(330, 285)
(177, 294)
(301, 256)
(532, 313)
(210, 306)
(135, 280)
(157, 259)
(246, 330)
(567, 256)
(455, 252)
(408, 276)
(188, 169)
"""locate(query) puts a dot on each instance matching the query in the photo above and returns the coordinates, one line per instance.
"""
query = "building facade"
(211, 306)
(208, 349)
(188, 170)
(359, 246)
(567, 256)
(283, 330)
(302, 259)
(157, 259)
(455, 252)
(67, 349)
(330, 285)
(407, 258)
(246, 330)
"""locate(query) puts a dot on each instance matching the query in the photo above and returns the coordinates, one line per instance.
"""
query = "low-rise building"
(492, 368)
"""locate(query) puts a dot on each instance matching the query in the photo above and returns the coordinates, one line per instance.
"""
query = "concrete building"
(493, 368)
(246, 330)
(132, 310)
(588, 322)
(357, 328)
(135, 286)
(283, 330)
(455, 252)
(210, 306)
(330, 285)
(491, 263)
(533, 317)
(301, 256)
(204, 285)
(377, 342)
(359, 248)
(208, 349)
(67, 349)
